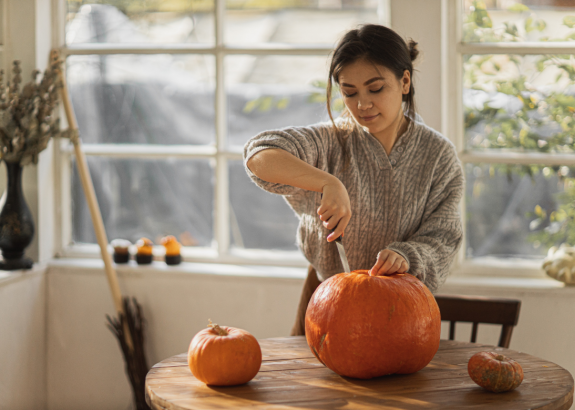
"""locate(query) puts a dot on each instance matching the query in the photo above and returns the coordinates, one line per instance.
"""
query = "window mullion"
(517, 48)
(58, 215)
(58, 23)
(4, 42)
(62, 235)
(452, 93)
(521, 158)
(222, 210)
(64, 184)
(145, 151)
(144, 49)
(5, 50)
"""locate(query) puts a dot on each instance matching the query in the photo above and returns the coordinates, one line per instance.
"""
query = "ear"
(405, 82)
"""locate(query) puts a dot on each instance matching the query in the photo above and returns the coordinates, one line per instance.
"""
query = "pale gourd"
(560, 263)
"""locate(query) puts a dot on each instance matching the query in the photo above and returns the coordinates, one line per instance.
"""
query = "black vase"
(16, 222)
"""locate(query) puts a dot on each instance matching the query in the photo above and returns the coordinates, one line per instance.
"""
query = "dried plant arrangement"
(27, 114)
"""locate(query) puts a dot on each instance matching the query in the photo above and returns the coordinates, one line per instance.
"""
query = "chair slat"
(505, 337)
(452, 330)
(474, 332)
(480, 309)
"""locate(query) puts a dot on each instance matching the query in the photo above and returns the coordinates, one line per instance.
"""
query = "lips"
(370, 118)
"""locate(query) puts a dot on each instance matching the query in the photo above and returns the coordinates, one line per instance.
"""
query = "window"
(517, 68)
(166, 94)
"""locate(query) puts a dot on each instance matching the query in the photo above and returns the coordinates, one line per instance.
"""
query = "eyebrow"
(368, 82)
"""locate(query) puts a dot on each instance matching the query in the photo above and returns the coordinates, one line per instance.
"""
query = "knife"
(342, 256)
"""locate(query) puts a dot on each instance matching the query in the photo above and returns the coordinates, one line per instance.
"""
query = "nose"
(364, 103)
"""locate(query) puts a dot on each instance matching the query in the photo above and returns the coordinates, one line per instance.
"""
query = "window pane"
(518, 20)
(518, 211)
(151, 198)
(519, 103)
(295, 21)
(259, 219)
(270, 92)
(138, 21)
(143, 99)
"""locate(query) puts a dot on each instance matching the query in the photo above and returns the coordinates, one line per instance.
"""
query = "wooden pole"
(90, 194)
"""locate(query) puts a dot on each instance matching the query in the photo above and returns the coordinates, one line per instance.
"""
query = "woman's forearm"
(281, 167)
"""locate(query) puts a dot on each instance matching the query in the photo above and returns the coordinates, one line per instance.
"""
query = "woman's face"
(373, 96)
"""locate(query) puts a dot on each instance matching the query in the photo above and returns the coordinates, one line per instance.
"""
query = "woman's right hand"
(335, 208)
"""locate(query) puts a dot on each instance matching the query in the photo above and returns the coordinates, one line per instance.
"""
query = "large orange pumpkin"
(224, 356)
(368, 326)
(495, 372)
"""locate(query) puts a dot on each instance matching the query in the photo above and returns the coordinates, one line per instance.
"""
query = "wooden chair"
(479, 309)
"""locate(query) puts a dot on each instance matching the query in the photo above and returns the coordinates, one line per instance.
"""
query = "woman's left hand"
(388, 262)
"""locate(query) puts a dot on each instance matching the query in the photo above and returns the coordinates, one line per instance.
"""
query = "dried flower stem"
(26, 113)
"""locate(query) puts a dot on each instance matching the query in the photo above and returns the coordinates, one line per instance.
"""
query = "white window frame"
(452, 121)
(452, 51)
(219, 153)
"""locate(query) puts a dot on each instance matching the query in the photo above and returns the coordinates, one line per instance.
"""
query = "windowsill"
(201, 255)
(96, 266)
(455, 282)
(498, 268)
(8, 277)
(185, 268)
(483, 266)
(487, 282)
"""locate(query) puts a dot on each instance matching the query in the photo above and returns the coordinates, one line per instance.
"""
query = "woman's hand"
(388, 262)
(335, 208)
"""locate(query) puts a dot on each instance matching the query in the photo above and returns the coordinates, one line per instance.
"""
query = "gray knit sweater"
(407, 201)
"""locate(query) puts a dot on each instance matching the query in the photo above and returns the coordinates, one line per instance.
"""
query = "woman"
(377, 173)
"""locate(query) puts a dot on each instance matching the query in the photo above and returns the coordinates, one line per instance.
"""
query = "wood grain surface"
(291, 377)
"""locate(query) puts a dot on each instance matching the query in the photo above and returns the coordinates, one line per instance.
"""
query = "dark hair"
(377, 45)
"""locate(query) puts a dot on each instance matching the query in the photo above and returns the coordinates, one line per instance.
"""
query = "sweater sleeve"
(305, 143)
(432, 248)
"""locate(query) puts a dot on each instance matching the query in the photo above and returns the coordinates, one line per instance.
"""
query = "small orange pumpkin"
(224, 356)
(366, 326)
(495, 372)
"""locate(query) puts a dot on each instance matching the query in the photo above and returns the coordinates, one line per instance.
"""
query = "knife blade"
(341, 250)
(342, 256)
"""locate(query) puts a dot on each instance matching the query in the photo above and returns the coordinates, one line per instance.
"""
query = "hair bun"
(413, 51)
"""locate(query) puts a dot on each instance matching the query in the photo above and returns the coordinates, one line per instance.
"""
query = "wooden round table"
(291, 377)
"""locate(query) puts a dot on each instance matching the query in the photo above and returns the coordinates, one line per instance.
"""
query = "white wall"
(85, 366)
(421, 21)
(29, 39)
(84, 360)
(23, 340)
(56, 352)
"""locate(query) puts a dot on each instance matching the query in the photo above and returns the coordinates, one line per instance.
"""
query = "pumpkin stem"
(217, 328)
(498, 357)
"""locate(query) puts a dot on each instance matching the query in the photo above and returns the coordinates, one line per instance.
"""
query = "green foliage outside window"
(542, 119)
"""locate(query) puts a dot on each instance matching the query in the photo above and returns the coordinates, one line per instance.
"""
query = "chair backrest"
(480, 309)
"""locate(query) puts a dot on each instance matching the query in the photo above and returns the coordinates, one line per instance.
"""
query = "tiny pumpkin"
(224, 356)
(366, 326)
(494, 371)
(171, 245)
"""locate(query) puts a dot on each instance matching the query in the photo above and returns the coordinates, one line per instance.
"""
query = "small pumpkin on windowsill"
(224, 356)
(495, 372)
